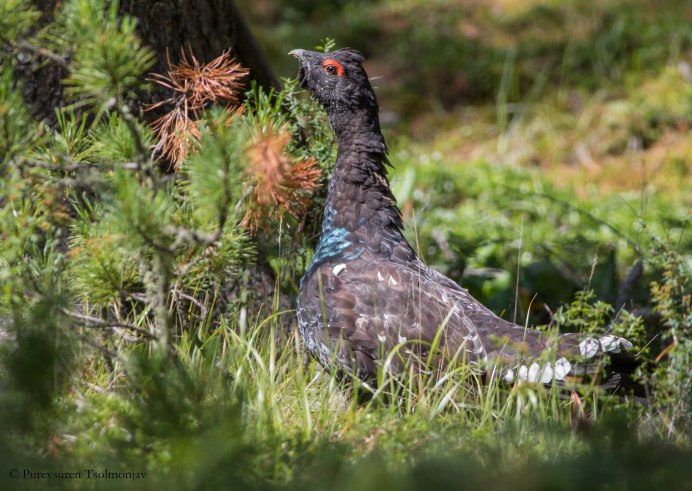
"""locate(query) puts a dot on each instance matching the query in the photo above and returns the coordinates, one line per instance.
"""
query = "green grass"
(250, 411)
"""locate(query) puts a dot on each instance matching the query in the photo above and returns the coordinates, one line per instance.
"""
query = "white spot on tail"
(509, 376)
(562, 368)
(547, 374)
(534, 372)
(610, 343)
(523, 372)
(625, 343)
(338, 269)
(588, 347)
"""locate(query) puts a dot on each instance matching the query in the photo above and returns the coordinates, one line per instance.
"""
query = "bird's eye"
(333, 67)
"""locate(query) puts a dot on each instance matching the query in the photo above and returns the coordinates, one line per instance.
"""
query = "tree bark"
(205, 27)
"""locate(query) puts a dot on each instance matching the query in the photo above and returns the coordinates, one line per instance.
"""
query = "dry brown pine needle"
(194, 85)
(280, 184)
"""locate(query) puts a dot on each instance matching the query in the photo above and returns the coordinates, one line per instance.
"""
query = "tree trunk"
(205, 27)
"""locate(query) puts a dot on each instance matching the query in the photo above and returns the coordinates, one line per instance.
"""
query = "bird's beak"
(303, 66)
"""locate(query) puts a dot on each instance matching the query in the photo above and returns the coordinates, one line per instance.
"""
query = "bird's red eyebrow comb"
(333, 62)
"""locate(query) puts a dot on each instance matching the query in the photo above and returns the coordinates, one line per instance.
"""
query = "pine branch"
(187, 235)
(164, 322)
(203, 308)
(97, 322)
(143, 160)
(72, 166)
(101, 348)
(26, 46)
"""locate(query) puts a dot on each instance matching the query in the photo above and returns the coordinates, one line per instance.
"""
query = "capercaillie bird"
(366, 294)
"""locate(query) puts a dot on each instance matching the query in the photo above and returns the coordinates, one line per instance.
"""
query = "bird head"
(337, 79)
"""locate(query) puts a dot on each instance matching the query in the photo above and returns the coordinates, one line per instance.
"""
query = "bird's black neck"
(359, 191)
(361, 215)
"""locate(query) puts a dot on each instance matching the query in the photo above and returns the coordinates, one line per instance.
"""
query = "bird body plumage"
(366, 294)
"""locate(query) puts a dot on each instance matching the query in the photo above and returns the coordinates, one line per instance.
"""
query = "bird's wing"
(366, 309)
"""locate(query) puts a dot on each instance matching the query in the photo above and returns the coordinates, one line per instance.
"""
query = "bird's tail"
(572, 359)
